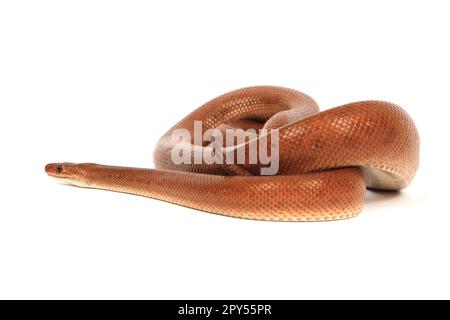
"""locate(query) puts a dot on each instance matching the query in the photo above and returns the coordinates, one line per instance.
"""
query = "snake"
(326, 160)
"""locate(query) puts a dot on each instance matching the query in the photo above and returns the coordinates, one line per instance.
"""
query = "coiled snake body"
(326, 159)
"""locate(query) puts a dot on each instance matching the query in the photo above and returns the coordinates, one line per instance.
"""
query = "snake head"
(69, 173)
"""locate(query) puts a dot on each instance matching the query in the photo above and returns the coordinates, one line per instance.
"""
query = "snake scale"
(326, 159)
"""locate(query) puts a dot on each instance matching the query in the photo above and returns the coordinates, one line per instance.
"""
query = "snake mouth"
(53, 169)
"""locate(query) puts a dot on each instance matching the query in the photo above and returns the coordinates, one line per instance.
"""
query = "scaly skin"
(327, 159)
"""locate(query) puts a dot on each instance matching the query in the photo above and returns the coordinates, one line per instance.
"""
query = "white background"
(100, 81)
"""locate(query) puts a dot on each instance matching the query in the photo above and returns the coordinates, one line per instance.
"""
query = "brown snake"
(326, 159)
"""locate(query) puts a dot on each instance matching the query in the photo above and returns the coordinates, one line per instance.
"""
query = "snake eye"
(59, 168)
